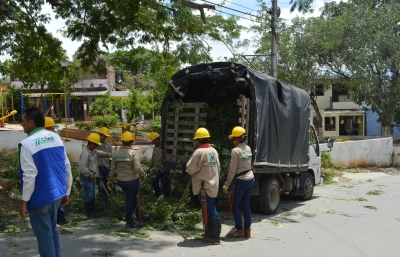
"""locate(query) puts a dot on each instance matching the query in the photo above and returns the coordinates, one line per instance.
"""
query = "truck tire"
(270, 196)
(254, 205)
(308, 188)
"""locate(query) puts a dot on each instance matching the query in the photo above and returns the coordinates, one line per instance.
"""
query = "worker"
(126, 164)
(46, 180)
(159, 172)
(50, 125)
(103, 163)
(242, 179)
(204, 167)
(89, 171)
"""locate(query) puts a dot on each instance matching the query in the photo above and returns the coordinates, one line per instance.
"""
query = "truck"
(276, 116)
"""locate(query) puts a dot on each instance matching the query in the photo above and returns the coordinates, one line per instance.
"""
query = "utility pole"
(274, 23)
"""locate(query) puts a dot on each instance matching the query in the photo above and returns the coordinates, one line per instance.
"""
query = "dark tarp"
(279, 127)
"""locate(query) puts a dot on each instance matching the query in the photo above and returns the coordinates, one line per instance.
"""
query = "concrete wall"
(396, 156)
(376, 152)
(9, 140)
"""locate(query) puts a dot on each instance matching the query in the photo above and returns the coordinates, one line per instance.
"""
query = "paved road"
(334, 223)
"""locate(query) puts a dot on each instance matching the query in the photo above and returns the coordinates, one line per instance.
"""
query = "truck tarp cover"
(280, 125)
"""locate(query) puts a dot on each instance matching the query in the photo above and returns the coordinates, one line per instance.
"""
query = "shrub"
(155, 124)
(105, 121)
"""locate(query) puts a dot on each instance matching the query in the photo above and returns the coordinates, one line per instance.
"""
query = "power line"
(241, 5)
(233, 9)
(236, 16)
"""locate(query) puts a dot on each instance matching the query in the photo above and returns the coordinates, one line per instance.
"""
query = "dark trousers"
(242, 196)
(130, 188)
(211, 208)
(103, 173)
(155, 182)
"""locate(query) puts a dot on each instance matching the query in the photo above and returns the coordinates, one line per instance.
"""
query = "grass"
(370, 207)
(105, 253)
(375, 192)
(360, 199)
(127, 233)
(370, 180)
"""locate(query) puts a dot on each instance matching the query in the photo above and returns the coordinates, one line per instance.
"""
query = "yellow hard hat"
(237, 132)
(153, 136)
(127, 136)
(105, 131)
(94, 138)
(49, 122)
(201, 133)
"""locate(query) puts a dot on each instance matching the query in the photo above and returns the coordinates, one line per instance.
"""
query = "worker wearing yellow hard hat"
(49, 124)
(241, 181)
(204, 167)
(104, 163)
(158, 171)
(126, 164)
(89, 170)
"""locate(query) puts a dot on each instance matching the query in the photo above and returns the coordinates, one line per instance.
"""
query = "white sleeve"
(29, 174)
(68, 173)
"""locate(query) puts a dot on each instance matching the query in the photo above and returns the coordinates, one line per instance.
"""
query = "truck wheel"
(270, 196)
(255, 208)
(308, 188)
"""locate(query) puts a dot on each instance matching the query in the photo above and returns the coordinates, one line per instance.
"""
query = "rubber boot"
(132, 224)
(88, 210)
(214, 227)
(206, 233)
(239, 233)
(247, 233)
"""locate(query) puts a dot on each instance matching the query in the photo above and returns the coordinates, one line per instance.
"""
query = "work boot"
(88, 210)
(247, 233)
(214, 228)
(239, 233)
(206, 233)
(132, 224)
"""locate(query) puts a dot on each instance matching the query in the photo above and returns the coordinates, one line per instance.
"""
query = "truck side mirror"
(330, 144)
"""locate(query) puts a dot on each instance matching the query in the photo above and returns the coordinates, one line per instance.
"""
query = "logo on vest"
(43, 140)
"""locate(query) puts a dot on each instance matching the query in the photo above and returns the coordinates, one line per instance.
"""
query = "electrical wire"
(236, 15)
(233, 9)
(241, 5)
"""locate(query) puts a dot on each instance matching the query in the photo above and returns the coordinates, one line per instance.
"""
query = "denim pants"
(44, 225)
(88, 188)
(242, 196)
(104, 172)
(155, 180)
(211, 208)
(130, 188)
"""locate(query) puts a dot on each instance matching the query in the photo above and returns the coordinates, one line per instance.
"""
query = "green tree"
(358, 42)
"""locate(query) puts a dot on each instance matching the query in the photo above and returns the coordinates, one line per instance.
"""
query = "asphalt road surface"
(359, 216)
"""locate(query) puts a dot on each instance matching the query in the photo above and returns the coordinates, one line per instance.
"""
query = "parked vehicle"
(276, 116)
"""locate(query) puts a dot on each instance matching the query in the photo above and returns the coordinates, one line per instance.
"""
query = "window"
(319, 90)
(330, 124)
(314, 141)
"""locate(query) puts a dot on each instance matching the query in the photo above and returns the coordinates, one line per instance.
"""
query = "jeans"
(60, 215)
(211, 208)
(155, 180)
(242, 196)
(130, 188)
(44, 225)
(104, 172)
(88, 188)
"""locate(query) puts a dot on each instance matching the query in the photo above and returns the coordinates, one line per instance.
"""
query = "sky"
(218, 48)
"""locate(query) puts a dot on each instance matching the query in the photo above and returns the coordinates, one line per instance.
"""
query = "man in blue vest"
(46, 178)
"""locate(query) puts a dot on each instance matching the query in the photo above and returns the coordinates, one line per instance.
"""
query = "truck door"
(315, 155)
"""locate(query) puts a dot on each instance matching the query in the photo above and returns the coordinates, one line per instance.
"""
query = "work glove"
(92, 176)
(225, 189)
(144, 176)
(110, 185)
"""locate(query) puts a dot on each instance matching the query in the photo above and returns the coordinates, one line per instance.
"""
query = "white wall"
(376, 152)
(9, 139)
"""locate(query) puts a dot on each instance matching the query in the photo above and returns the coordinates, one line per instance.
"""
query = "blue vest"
(47, 150)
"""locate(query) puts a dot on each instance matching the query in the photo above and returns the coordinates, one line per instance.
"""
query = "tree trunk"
(6, 184)
(319, 118)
